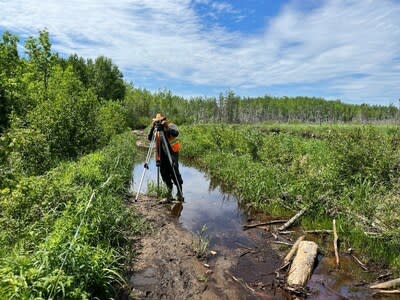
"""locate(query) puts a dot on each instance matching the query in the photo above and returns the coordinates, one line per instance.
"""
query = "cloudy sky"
(337, 49)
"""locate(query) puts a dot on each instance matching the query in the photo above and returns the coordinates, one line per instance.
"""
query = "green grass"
(347, 172)
(65, 234)
(154, 191)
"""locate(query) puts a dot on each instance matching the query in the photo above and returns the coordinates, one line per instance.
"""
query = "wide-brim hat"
(159, 117)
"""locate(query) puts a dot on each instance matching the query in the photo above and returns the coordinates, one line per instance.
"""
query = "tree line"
(53, 108)
(231, 108)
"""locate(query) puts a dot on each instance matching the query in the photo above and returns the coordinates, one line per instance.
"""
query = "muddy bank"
(167, 267)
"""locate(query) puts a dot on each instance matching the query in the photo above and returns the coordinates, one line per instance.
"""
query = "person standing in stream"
(160, 123)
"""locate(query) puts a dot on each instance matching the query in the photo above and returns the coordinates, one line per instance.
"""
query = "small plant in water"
(201, 242)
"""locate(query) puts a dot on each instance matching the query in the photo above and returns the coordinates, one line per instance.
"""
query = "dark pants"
(167, 174)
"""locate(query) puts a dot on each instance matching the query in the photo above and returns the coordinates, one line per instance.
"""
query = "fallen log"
(335, 240)
(292, 251)
(303, 264)
(293, 219)
(387, 284)
(245, 227)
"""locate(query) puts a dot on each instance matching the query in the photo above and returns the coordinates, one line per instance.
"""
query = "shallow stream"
(207, 204)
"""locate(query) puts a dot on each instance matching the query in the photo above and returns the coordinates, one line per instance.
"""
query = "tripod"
(164, 143)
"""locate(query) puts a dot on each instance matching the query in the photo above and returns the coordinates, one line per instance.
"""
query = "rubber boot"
(169, 195)
(179, 196)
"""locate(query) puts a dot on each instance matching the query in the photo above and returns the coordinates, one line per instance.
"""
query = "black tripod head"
(159, 124)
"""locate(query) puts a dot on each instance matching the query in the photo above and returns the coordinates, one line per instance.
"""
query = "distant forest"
(42, 89)
(230, 108)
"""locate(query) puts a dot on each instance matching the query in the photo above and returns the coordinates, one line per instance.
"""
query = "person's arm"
(150, 136)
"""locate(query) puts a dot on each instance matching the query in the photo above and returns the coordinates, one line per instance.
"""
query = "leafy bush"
(29, 152)
(364, 153)
(68, 118)
(64, 233)
(112, 120)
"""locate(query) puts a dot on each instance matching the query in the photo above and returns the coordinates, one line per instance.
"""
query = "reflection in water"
(176, 209)
(205, 203)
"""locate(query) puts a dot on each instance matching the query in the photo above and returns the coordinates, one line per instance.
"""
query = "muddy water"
(256, 256)
(203, 206)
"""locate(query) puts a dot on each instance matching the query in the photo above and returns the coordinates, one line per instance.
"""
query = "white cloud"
(168, 38)
(223, 7)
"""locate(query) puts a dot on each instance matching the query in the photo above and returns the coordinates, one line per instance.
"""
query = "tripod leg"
(146, 165)
(158, 180)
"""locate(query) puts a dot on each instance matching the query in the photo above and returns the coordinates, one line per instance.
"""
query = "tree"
(106, 79)
(68, 119)
(9, 62)
(80, 69)
(39, 53)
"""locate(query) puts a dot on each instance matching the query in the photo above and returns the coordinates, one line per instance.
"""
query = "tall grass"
(64, 234)
(348, 172)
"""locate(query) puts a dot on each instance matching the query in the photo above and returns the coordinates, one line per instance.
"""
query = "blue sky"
(337, 49)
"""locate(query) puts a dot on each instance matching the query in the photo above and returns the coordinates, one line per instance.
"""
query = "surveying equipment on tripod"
(163, 147)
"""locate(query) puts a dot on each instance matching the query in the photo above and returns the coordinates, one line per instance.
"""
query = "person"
(171, 132)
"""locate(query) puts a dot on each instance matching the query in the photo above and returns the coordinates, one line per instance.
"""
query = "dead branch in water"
(241, 282)
(387, 284)
(287, 232)
(362, 265)
(292, 251)
(293, 219)
(335, 240)
(386, 275)
(318, 231)
(245, 227)
(333, 291)
(282, 243)
(244, 246)
(247, 252)
(386, 292)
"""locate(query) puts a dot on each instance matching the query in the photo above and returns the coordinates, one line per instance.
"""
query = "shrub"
(66, 230)
(112, 120)
(29, 152)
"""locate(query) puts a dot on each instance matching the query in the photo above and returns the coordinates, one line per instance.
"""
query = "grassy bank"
(64, 234)
(348, 172)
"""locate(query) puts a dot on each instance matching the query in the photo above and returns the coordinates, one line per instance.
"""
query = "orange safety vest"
(175, 143)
